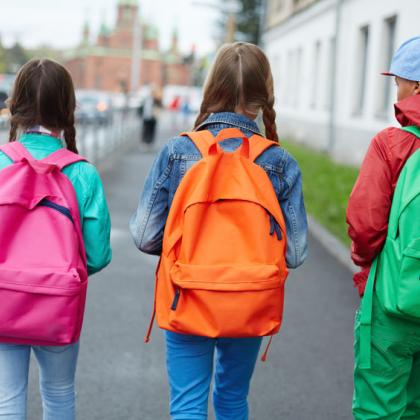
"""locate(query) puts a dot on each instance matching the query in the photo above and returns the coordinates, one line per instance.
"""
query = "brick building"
(107, 64)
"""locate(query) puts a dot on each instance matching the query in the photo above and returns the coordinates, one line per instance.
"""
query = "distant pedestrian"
(174, 108)
(186, 111)
(384, 224)
(220, 223)
(150, 112)
(54, 231)
(175, 104)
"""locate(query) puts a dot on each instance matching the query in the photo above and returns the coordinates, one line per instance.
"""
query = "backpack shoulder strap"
(412, 129)
(63, 157)
(16, 151)
(406, 189)
(258, 145)
(202, 140)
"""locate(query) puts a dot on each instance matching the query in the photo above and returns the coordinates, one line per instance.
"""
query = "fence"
(99, 140)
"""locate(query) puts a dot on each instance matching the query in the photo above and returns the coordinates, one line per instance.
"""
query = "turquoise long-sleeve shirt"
(93, 209)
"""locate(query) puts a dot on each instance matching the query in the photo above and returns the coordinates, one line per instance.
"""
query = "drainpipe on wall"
(332, 122)
(263, 23)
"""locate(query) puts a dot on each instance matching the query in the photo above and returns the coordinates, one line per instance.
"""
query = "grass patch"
(326, 187)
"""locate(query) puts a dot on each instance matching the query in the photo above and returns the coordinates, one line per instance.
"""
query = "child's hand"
(360, 279)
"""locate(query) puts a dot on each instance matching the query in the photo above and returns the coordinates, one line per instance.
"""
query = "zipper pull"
(278, 231)
(274, 227)
(176, 299)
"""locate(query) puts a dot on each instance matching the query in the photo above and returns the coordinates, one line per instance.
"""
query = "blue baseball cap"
(406, 61)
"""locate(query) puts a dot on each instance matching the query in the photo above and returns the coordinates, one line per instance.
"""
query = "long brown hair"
(43, 94)
(240, 78)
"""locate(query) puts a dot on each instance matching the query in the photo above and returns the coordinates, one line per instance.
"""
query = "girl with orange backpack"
(223, 207)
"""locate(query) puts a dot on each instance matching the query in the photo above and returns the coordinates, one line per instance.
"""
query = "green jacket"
(93, 208)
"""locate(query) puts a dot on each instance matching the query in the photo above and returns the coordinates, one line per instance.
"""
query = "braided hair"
(240, 80)
(43, 94)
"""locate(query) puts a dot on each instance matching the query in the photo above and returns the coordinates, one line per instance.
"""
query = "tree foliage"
(12, 58)
(15, 57)
(248, 20)
(3, 64)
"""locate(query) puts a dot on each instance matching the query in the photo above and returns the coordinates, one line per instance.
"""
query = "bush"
(326, 187)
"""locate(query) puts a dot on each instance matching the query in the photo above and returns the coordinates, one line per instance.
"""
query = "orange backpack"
(223, 268)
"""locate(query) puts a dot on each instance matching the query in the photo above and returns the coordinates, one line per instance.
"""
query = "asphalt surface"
(308, 375)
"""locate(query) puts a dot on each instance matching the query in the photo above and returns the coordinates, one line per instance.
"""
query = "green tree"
(15, 57)
(3, 64)
(249, 20)
(45, 51)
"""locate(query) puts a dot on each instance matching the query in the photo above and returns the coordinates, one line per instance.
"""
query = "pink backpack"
(43, 272)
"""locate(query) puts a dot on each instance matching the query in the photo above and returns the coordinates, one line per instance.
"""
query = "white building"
(326, 57)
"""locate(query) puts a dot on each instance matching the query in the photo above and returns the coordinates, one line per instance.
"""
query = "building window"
(387, 51)
(316, 73)
(361, 70)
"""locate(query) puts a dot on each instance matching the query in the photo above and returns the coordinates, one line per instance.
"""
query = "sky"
(59, 23)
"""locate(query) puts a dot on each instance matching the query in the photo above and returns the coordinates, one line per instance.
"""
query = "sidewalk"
(308, 375)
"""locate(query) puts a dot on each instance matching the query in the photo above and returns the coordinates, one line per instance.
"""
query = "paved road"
(309, 372)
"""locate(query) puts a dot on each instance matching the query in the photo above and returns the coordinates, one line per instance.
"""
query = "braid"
(13, 130)
(70, 138)
(269, 114)
(269, 118)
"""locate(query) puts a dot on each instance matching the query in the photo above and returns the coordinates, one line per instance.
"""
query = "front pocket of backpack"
(227, 301)
(220, 277)
(41, 307)
(408, 300)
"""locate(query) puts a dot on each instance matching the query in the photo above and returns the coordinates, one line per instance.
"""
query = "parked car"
(6, 82)
(4, 112)
(93, 107)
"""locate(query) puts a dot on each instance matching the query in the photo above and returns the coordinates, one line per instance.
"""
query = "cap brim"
(385, 73)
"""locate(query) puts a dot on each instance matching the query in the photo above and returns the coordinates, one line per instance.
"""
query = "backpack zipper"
(61, 209)
(274, 227)
(176, 299)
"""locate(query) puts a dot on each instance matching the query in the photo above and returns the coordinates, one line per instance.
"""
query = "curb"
(333, 245)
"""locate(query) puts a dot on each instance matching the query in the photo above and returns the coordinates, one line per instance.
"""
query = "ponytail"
(43, 94)
(269, 114)
(269, 119)
(13, 131)
(70, 138)
(240, 79)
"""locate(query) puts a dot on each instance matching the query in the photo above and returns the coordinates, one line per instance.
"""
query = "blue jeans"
(190, 370)
(57, 372)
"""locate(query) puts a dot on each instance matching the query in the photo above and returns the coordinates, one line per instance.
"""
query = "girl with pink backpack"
(54, 232)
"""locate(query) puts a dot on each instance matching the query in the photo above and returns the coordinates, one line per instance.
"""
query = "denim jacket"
(179, 154)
